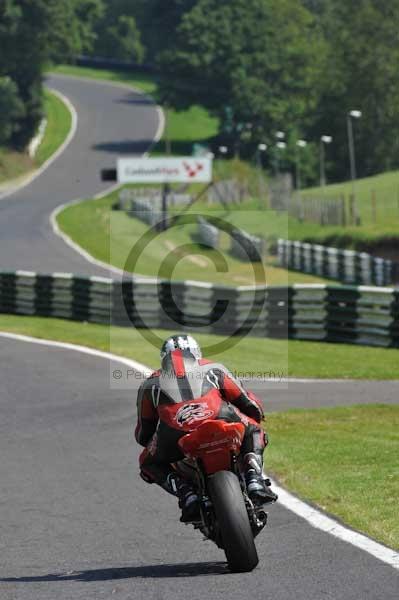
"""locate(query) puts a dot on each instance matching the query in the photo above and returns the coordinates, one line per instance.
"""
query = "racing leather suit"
(175, 399)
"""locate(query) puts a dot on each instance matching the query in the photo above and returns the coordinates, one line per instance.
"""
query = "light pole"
(300, 144)
(223, 150)
(280, 146)
(325, 139)
(352, 114)
(261, 148)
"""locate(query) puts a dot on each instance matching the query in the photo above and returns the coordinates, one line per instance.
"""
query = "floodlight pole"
(324, 139)
(300, 144)
(356, 114)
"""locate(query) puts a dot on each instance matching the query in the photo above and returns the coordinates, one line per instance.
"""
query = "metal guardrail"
(247, 247)
(243, 245)
(355, 315)
(346, 266)
(208, 234)
(152, 197)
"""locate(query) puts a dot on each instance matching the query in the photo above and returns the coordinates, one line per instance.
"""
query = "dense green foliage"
(229, 55)
(32, 32)
(267, 65)
(361, 73)
(258, 65)
(11, 109)
(117, 33)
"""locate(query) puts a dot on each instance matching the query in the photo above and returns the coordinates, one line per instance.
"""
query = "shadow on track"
(124, 147)
(137, 99)
(144, 572)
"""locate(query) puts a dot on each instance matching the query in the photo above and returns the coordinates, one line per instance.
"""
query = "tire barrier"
(352, 314)
(59, 295)
(208, 235)
(346, 266)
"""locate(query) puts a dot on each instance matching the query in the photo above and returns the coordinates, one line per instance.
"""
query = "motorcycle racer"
(184, 392)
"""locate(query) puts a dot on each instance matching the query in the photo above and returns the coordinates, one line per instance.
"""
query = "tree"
(85, 16)
(361, 73)
(32, 32)
(11, 109)
(260, 58)
(157, 20)
(153, 21)
(124, 40)
(119, 37)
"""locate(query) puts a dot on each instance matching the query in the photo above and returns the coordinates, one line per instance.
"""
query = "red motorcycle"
(228, 516)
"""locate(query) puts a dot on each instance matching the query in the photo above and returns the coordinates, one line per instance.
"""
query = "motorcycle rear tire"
(232, 516)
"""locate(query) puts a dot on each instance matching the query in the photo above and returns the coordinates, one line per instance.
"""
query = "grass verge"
(59, 122)
(345, 461)
(279, 357)
(110, 236)
(17, 164)
(14, 165)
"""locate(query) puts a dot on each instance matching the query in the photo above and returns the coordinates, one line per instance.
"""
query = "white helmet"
(181, 342)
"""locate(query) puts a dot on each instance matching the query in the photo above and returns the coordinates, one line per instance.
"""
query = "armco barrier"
(152, 197)
(353, 314)
(345, 266)
(246, 246)
(208, 234)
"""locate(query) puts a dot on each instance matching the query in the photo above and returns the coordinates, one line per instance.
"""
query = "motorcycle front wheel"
(231, 513)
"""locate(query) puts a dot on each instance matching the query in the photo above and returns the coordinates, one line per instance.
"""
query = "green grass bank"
(344, 460)
(278, 357)
(110, 236)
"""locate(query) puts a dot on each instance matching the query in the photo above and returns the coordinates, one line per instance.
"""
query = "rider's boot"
(188, 499)
(258, 487)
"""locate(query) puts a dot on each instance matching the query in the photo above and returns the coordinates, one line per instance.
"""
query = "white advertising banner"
(164, 170)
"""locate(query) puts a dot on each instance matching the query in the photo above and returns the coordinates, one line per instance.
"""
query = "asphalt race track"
(76, 521)
(112, 121)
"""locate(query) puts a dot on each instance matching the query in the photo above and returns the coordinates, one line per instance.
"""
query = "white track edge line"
(126, 86)
(54, 214)
(69, 241)
(57, 153)
(146, 371)
(325, 523)
(312, 515)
